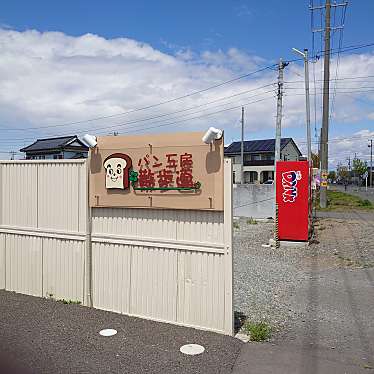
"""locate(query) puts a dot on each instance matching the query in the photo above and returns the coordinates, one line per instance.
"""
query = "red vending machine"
(293, 195)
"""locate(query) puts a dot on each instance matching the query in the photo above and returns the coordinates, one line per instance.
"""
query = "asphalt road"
(45, 336)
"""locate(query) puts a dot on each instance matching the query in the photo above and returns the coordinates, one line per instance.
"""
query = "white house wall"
(290, 152)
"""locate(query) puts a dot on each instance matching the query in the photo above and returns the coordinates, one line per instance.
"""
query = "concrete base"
(289, 244)
(244, 338)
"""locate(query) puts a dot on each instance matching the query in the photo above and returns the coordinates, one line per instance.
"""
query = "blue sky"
(207, 41)
(265, 28)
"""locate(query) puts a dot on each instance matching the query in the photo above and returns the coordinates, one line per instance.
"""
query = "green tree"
(342, 173)
(315, 160)
(332, 176)
(359, 167)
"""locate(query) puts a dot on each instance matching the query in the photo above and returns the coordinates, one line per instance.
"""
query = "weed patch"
(337, 200)
(70, 301)
(258, 331)
(251, 221)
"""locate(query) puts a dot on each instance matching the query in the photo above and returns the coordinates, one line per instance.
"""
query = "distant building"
(259, 158)
(56, 148)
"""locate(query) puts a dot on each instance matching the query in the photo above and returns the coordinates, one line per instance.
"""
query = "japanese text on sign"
(171, 170)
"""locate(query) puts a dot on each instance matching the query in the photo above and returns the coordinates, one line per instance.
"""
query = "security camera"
(90, 141)
(212, 134)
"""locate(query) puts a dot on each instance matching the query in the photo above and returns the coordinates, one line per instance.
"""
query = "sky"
(77, 67)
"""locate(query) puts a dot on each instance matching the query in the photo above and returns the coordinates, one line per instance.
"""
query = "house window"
(268, 157)
(55, 157)
(256, 157)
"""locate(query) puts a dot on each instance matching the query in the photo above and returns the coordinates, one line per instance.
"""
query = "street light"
(307, 100)
(90, 141)
(212, 134)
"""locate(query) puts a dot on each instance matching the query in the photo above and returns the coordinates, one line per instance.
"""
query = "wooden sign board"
(170, 171)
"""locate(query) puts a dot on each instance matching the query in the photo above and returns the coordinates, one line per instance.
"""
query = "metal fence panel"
(19, 194)
(135, 223)
(63, 269)
(111, 277)
(24, 264)
(201, 292)
(168, 265)
(154, 283)
(2, 261)
(58, 196)
(43, 227)
(175, 262)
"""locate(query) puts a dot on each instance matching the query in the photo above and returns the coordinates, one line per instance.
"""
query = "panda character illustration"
(117, 167)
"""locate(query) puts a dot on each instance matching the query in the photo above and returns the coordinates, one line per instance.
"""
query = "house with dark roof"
(259, 158)
(56, 148)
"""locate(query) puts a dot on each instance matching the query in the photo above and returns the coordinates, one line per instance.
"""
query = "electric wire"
(166, 101)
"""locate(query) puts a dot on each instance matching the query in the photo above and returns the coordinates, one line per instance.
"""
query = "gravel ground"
(263, 277)
(318, 298)
(266, 278)
(45, 336)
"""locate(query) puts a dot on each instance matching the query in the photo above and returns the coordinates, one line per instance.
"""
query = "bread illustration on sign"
(117, 167)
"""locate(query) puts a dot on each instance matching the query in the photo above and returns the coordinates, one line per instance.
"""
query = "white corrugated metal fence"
(167, 265)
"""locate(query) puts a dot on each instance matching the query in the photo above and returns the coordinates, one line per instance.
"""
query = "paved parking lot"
(45, 336)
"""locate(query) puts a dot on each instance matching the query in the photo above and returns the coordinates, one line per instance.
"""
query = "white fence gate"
(167, 265)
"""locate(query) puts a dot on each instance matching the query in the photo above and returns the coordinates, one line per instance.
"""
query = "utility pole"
(319, 150)
(278, 134)
(325, 113)
(242, 150)
(12, 154)
(278, 128)
(371, 162)
(307, 99)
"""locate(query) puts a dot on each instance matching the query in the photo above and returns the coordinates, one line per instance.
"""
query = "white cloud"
(52, 78)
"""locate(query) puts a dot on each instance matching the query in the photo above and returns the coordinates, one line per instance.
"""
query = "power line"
(201, 116)
(338, 88)
(337, 79)
(344, 10)
(342, 50)
(340, 92)
(126, 124)
(269, 67)
(184, 120)
(165, 114)
(311, 5)
(167, 101)
(342, 139)
(199, 111)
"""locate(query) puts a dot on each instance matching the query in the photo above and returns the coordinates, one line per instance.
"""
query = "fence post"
(88, 251)
(2, 237)
(228, 258)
